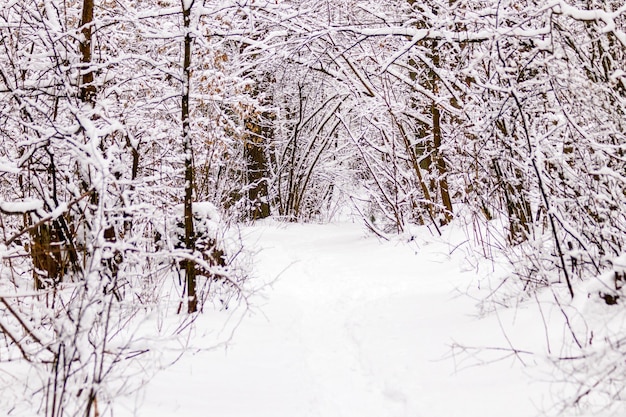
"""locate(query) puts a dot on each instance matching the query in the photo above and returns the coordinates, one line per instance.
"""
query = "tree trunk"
(190, 268)
(442, 171)
(428, 146)
(87, 88)
(257, 172)
(256, 137)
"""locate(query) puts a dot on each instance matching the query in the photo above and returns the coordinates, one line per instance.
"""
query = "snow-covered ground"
(347, 325)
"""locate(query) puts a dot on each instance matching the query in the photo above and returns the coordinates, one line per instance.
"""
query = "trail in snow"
(352, 327)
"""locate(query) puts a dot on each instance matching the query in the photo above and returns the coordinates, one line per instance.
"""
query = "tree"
(190, 268)
(86, 113)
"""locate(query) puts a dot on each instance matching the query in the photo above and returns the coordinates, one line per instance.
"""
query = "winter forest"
(141, 139)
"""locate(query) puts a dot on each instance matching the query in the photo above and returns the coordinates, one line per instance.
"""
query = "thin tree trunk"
(440, 163)
(257, 171)
(256, 138)
(190, 268)
(87, 88)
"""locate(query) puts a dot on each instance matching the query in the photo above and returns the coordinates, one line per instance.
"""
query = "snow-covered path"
(352, 327)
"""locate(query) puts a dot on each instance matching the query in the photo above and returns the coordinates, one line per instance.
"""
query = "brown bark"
(442, 170)
(87, 88)
(256, 138)
(190, 267)
(256, 171)
(428, 149)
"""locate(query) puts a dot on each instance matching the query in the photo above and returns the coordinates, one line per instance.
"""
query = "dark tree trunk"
(87, 88)
(190, 268)
(441, 169)
(256, 161)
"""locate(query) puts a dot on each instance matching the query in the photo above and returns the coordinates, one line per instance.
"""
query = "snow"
(343, 324)
(20, 207)
(7, 167)
(206, 223)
